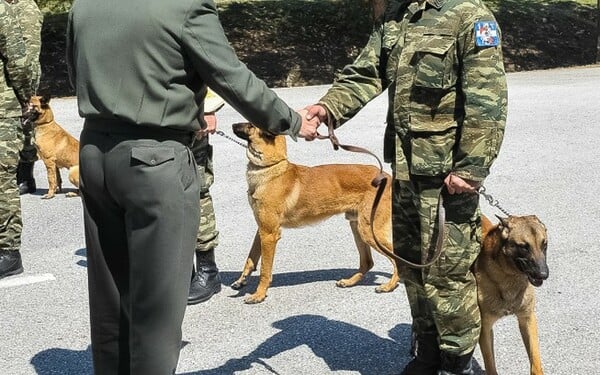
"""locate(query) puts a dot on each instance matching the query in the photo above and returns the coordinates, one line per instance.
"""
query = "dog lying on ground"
(511, 263)
(57, 148)
(283, 194)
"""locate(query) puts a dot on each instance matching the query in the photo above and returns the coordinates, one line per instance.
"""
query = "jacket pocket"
(434, 62)
(152, 156)
(432, 144)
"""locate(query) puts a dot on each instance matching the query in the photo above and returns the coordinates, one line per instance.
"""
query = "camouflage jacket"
(31, 19)
(441, 62)
(15, 82)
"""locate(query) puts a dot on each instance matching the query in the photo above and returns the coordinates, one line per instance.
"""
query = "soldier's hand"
(308, 129)
(211, 125)
(457, 185)
(318, 111)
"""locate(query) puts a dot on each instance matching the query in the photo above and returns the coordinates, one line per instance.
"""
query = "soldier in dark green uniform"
(30, 18)
(140, 69)
(441, 62)
(16, 88)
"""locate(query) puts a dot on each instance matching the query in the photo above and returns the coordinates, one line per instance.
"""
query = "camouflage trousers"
(11, 224)
(443, 297)
(208, 236)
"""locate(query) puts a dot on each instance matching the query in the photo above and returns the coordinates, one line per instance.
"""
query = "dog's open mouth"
(535, 281)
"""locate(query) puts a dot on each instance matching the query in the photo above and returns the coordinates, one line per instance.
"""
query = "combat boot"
(427, 356)
(205, 278)
(10, 263)
(453, 364)
(25, 178)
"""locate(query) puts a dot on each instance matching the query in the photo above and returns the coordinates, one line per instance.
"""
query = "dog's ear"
(503, 226)
(45, 98)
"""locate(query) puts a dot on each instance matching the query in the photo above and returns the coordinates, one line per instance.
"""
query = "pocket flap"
(152, 155)
(440, 123)
(436, 44)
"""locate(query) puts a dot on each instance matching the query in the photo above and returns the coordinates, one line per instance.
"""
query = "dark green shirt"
(149, 62)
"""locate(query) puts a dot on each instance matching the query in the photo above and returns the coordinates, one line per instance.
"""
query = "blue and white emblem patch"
(486, 34)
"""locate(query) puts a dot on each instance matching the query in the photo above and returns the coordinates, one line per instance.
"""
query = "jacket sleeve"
(357, 84)
(485, 103)
(17, 64)
(218, 65)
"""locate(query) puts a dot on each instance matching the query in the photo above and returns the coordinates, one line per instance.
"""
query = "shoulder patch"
(486, 34)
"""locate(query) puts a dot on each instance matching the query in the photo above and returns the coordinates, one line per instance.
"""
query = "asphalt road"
(548, 166)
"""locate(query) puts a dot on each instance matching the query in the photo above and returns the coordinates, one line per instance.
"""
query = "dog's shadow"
(303, 277)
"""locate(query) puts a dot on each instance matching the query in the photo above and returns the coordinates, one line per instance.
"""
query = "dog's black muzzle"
(536, 270)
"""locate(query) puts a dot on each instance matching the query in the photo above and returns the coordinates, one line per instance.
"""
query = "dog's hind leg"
(364, 252)
(251, 263)
(74, 179)
(529, 334)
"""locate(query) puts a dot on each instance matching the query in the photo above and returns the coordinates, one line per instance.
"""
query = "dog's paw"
(47, 196)
(343, 283)
(386, 288)
(71, 194)
(254, 299)
(237, 285)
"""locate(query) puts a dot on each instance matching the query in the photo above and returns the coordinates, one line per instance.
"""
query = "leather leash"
(380, 182)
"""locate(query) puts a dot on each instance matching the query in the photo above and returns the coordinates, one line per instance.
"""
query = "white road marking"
(25, 280)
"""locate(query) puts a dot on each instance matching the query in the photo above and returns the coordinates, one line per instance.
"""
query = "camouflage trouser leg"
(11, 225)
(443, 297)
(208, 236)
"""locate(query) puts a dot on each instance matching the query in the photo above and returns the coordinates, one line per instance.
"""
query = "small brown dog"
(57, 148)
(511, 263)
(283, 194)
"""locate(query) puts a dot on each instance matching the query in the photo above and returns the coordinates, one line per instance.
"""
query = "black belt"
(135, 131)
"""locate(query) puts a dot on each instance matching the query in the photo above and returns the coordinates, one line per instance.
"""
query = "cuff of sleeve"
(473, 173)
(333, 114)
(295, 126)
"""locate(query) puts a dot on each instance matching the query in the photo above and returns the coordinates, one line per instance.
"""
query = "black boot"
(10, 263)
(456, 364)
(205, 278)
(25, 178)
(427, 356)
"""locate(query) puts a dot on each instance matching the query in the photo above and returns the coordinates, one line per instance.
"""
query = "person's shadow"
(342, 346)
(57, 361)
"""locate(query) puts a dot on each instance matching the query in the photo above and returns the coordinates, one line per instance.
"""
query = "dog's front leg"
(51, 172)
(486, 344)
(529, 333)
(268, 242)
(251, 262)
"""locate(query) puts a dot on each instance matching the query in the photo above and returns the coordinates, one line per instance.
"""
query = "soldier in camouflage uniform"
(16, 88)
(30, 18)
(441, 62)
(205, 275)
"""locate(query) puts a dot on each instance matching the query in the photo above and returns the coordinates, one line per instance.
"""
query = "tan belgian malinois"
(511, 263)
(283, 194)
(57, 148)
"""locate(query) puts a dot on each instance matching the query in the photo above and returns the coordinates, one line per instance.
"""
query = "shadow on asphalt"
(342, 346)
(57, 361)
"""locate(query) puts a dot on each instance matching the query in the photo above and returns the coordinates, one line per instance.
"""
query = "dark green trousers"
(141, 214)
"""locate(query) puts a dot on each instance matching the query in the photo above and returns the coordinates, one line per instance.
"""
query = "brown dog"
(57, 148)
(512, 261)
(283, 194)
